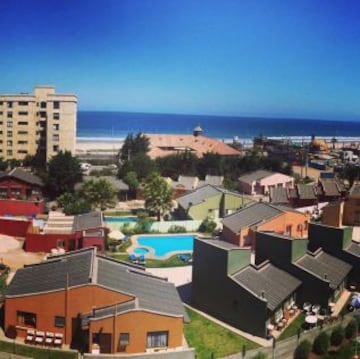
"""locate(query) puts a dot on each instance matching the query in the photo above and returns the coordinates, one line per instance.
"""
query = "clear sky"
(232, 57)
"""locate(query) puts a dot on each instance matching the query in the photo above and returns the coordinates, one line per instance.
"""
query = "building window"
(9, 134)
(22, 132)
(306, 225)
(56, 116)
(56, 105)
(23, 113)
(23, 103)
(157, 339)
(59, 321)
(288, 230)
(22, 152)
(56, 148)
(42, 114)
(9, 143)
(9, 104)
(1, 103)
(1, 113)
(9, 124)
(22, 142)
(9, 115)
(23, 123)
(124, 340)
(55, 138)
(15, 191)
(26, 319)
(43, 104)
(56, 127)
(60, 243)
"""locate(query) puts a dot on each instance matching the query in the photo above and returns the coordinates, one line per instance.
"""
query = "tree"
(207, 225)
(157, 194)
(131, 179)
(73, 204)
(337, 336)
(303, 350)
(321, 343)
(134, 144)
(98, 193)
(3, 164)
(63, 173)
(140, 163)
(351, 329)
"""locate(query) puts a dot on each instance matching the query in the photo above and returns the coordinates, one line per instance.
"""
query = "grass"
(211, 340)
(293, 328)
(173, 261)
(37, 353)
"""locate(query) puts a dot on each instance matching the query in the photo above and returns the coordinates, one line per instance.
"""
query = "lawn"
(293, 328)
(212, 340)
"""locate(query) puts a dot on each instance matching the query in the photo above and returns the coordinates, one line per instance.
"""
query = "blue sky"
(232, 57)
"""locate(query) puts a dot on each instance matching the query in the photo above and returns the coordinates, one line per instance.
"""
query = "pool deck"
(151, 253)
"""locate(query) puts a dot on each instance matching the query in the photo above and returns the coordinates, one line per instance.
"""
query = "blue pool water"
(120, 219)
(164, 244)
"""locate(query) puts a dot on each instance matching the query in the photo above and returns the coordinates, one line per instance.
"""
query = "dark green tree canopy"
(140, 163)
(134, 144)
(63, 173)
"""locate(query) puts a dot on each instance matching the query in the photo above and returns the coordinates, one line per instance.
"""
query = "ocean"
(110, 126)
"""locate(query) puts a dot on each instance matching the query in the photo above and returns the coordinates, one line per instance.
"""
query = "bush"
(357, 318)
(337, 336)
(351, 329)
(321, 344)
(303, 350)
(207, 226)
(177, 229)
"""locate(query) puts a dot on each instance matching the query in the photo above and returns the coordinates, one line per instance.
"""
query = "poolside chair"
(58, 339)
(30, 336)
(40, 337)
(132, 258)
(49, 338)
(141, 259)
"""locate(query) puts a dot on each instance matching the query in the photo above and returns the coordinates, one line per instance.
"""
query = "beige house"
(43, 121)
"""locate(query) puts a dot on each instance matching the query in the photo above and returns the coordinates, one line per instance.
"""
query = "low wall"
(16, 207)
(14, 227)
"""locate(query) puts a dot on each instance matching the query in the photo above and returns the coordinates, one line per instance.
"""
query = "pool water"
(141, 251)
(163, 245)
(120, 219)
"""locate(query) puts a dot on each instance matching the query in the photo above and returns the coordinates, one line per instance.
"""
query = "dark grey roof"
(275, 284)
(214, 180)
(88, 221)
(52, 274)
(255, 176)
(218, 243)
(119, 184)
(197, 196)
(188, 182)
(24, 176)
(251, 215)
(279, 195)
(306, 191)
(354, 249)
(324, 265)
(154, 294)
(84, 266)
(330, 187)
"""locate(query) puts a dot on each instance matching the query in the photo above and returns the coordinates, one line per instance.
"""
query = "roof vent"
(263, 294)
(325, 276)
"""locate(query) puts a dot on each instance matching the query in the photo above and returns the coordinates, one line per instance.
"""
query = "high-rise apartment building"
(40, 123)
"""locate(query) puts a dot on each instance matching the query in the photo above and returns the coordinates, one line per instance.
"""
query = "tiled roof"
(164, 144)
(324, 265)
(278, 195)
(306, 191)
(330, 187)
(251, 215)
(255, 176)
(274, 284)
(84, 267)
(88, 221)
(197, 196)
(24, 176)
(354, 249)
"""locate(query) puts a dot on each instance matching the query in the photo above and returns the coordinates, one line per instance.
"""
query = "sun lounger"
(39, 337)
(49, 338)
(30, 336)
(58, 339)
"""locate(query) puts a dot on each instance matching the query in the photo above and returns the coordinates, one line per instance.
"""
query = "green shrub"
(177, 229)
(321, 344)
(357, 318)
(337, 336)
(351, 329)
(303, 350)
(207, 226)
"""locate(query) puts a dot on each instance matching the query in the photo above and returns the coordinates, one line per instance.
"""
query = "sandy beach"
(86, 146)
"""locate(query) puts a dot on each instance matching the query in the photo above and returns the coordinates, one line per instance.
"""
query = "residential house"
(323, 276)
(303, 195)
(279, 196)
(225, 285)
(21, 193)
(94, 300)
(209, 201)
(184, 184)
(239, 228)
(67, 233)
(329, 189)
(351, 215)
(337, 242)
(260, 182)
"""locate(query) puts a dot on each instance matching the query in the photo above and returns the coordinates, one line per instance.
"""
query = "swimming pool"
(163, 245)
(121, 220)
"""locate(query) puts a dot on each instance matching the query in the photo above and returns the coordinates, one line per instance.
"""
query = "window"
(157, 339)
(1, 103)
(56, 148)
(60, 243)
(22, 142)
(22, 132)
(9, 133)
(23, 123)
(43, 104)
(9, 104)
(15, 191)
(306, 225)
(23, 103)
(56, 105)
(56, 127)
(9, 124)
(23, 113)
(288, 230)
(56, 116)
(42, 114)
(26, 319)
(9, 114)
(124, 340)
(56, 138)
(9, 143)
(22, 152)
(59, 321)
(1, 113)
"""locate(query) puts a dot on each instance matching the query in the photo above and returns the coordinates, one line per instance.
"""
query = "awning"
(117, 235)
